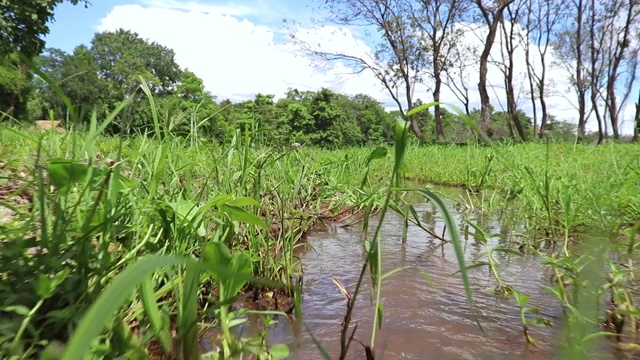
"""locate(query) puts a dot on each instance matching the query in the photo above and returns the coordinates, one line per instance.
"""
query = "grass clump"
(79, 209)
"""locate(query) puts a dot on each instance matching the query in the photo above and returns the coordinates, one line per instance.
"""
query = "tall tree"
(123, 57)
(15, 87)
(77, 77)
(492, 15)
(462, 58)
(24, 22)
(541, 20)
(570, 46)
(436, 20)
(399, 58)
(595, 72)
(620, 23)
(510, 42)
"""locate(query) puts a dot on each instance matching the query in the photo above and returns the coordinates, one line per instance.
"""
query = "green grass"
(160, 233)
(97, 204)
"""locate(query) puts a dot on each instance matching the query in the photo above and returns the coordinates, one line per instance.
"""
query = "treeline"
(594, 44)
(120, 65)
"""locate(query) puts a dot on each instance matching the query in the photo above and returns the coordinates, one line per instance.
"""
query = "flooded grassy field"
(426, 312)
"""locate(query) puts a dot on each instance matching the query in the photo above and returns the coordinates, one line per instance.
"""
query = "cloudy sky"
(240, 48)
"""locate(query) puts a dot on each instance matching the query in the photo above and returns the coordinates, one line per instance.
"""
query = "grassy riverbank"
(78, 209)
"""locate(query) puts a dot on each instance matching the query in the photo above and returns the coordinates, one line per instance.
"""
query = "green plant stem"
(25, 322)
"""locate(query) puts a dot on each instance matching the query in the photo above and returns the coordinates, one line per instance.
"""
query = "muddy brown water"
(423, 319)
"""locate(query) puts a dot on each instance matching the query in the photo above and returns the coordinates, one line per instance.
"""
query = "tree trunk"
(580, 86)
(619, 53)
(492, 24)
(437, 112)
(613, 109)
(594, 103)
(510, 92)
(531, 89)
(482, 84)
(413, 126)
(636, 128)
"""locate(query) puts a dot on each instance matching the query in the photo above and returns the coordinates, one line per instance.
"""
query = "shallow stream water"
(423, 319)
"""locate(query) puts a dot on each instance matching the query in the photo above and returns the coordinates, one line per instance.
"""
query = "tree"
(375, 125)
(123, 57)
(77, 77)
(15, 87)
(509, 44)
(569, 47)
(436, 20)
(461, 59)
(326, 118)
(636, 121)
(541, 21)
(492, 15)
(24, 22)
(399, 58)
(620, 23)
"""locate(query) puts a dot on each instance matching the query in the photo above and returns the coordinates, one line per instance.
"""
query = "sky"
(241, 48)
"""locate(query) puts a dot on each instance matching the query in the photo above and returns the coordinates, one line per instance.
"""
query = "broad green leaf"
(240, 273)
(17, 309)
(244, 201)
(239, 214)
(64, 173)
(279, 351)
(420, 108)
(217, 254)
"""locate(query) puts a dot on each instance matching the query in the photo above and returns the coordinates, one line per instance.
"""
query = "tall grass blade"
(115, 295)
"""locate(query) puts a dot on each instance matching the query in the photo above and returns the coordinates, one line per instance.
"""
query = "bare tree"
(541, 21)
(399, 58)
(530, 26)
(570, 45)
(459, 62)
(436, 21)
(620, 21)
(580, 81)
(509, 44)
(492, 15)
(596, 69)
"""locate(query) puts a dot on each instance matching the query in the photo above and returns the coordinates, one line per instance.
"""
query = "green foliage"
(24, 22)
(15, 86)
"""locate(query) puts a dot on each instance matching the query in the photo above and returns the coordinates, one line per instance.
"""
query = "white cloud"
(191, 6)
(238, 58)
(235, 58)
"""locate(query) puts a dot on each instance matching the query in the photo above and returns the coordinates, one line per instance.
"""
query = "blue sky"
(75, 24)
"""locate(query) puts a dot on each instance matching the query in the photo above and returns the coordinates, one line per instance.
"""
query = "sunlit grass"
(102, 206)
